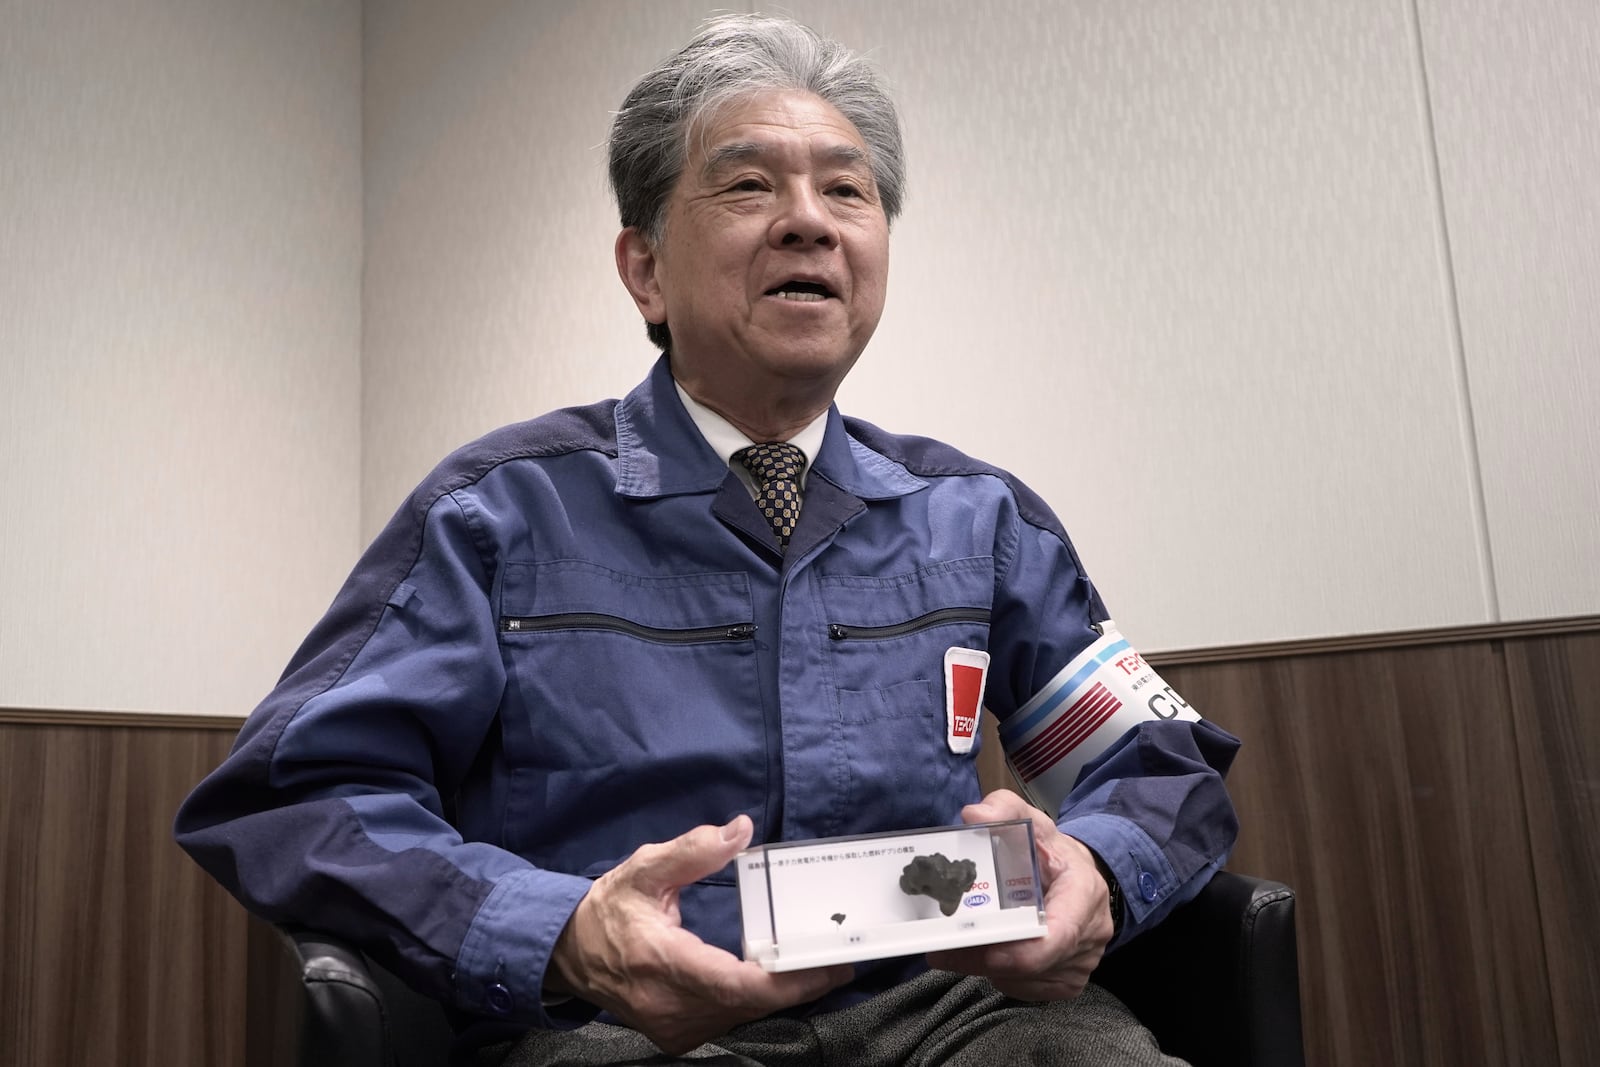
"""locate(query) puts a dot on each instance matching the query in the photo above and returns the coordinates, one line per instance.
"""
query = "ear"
(636, 266)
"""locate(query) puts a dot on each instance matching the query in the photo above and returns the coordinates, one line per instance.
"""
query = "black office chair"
(1218, 983)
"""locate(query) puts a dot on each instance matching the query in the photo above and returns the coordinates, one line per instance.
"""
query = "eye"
(747, 185)
(847, 189)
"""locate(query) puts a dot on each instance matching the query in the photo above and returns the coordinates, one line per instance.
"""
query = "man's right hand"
(625, 949)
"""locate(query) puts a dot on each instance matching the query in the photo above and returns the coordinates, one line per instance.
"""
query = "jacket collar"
(660, 451)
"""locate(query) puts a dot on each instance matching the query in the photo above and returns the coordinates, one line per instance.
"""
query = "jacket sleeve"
(330, 810)
(1153, 806)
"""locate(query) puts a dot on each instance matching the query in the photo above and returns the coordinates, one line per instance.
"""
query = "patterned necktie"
(776, 469)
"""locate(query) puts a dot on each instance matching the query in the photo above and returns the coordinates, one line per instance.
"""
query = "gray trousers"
(937, 1018)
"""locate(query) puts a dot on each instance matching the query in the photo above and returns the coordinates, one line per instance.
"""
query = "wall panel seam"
(1521, 743)
(1463, 379)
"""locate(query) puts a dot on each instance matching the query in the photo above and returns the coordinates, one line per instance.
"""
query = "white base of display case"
(898, 939)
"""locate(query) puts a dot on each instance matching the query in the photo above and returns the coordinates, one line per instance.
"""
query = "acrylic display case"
(843, 899)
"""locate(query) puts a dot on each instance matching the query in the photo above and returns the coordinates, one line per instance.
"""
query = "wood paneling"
(272, 1018)
(1381, 786)
(1555, 698)
(1433, 799)
(117, 948)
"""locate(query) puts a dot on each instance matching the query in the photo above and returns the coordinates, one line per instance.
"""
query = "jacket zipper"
(593, 620)
(840, 632)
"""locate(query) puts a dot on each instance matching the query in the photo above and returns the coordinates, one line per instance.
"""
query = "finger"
(1021, 970)
(775, 992)
(815, 982)
(1003, 805)
(1027, 957)
(994, 807)
(687, 858)
(714, 975)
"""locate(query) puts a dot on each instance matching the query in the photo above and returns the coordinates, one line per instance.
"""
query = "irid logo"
(977, 900)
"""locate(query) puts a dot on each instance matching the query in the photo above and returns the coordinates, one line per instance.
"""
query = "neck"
(774, 421)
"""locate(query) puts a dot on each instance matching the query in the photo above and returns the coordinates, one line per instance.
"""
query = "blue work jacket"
(578, 636)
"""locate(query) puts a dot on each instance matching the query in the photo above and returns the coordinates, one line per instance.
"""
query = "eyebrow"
(736, 152)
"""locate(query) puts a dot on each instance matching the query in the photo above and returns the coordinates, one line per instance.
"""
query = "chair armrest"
(343, 1018)
(326, 1004)
(1218, 981)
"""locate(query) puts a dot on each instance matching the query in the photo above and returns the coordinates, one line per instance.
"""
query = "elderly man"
(597, 654)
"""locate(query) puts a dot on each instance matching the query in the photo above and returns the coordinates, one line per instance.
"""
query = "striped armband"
(1105, 691)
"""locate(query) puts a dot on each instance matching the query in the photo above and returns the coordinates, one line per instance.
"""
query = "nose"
(803, 218)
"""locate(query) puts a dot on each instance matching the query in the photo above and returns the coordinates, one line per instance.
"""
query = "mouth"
(802, 291)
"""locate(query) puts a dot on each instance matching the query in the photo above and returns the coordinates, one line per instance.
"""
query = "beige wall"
(1271, 301)
(490, 292)
(1516, 90)
(1289, 309)
(180, 264)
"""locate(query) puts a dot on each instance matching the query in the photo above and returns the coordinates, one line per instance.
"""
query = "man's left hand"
(1077, 915)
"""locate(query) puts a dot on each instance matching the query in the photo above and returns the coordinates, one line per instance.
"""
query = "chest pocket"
(884, 654)
(886, 636)
(620, 688)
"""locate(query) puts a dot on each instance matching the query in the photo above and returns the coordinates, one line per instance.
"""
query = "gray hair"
(732, 57)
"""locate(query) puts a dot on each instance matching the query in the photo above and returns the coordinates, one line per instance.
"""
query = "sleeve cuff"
(501, 966)
(1147, 879)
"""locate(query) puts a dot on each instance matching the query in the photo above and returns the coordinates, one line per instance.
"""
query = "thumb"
(998, 806)
(689, 857)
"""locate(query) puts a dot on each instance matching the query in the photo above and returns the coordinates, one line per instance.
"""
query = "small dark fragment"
(838, 917)
(945, 880)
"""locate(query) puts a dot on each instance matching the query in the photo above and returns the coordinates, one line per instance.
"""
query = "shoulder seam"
(928, 457)
(441, 483)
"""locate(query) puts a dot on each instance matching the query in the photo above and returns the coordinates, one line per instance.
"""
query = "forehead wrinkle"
(734, 153)
(846, 154)
(731, 154)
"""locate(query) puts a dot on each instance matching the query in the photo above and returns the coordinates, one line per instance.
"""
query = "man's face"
(772, 268)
